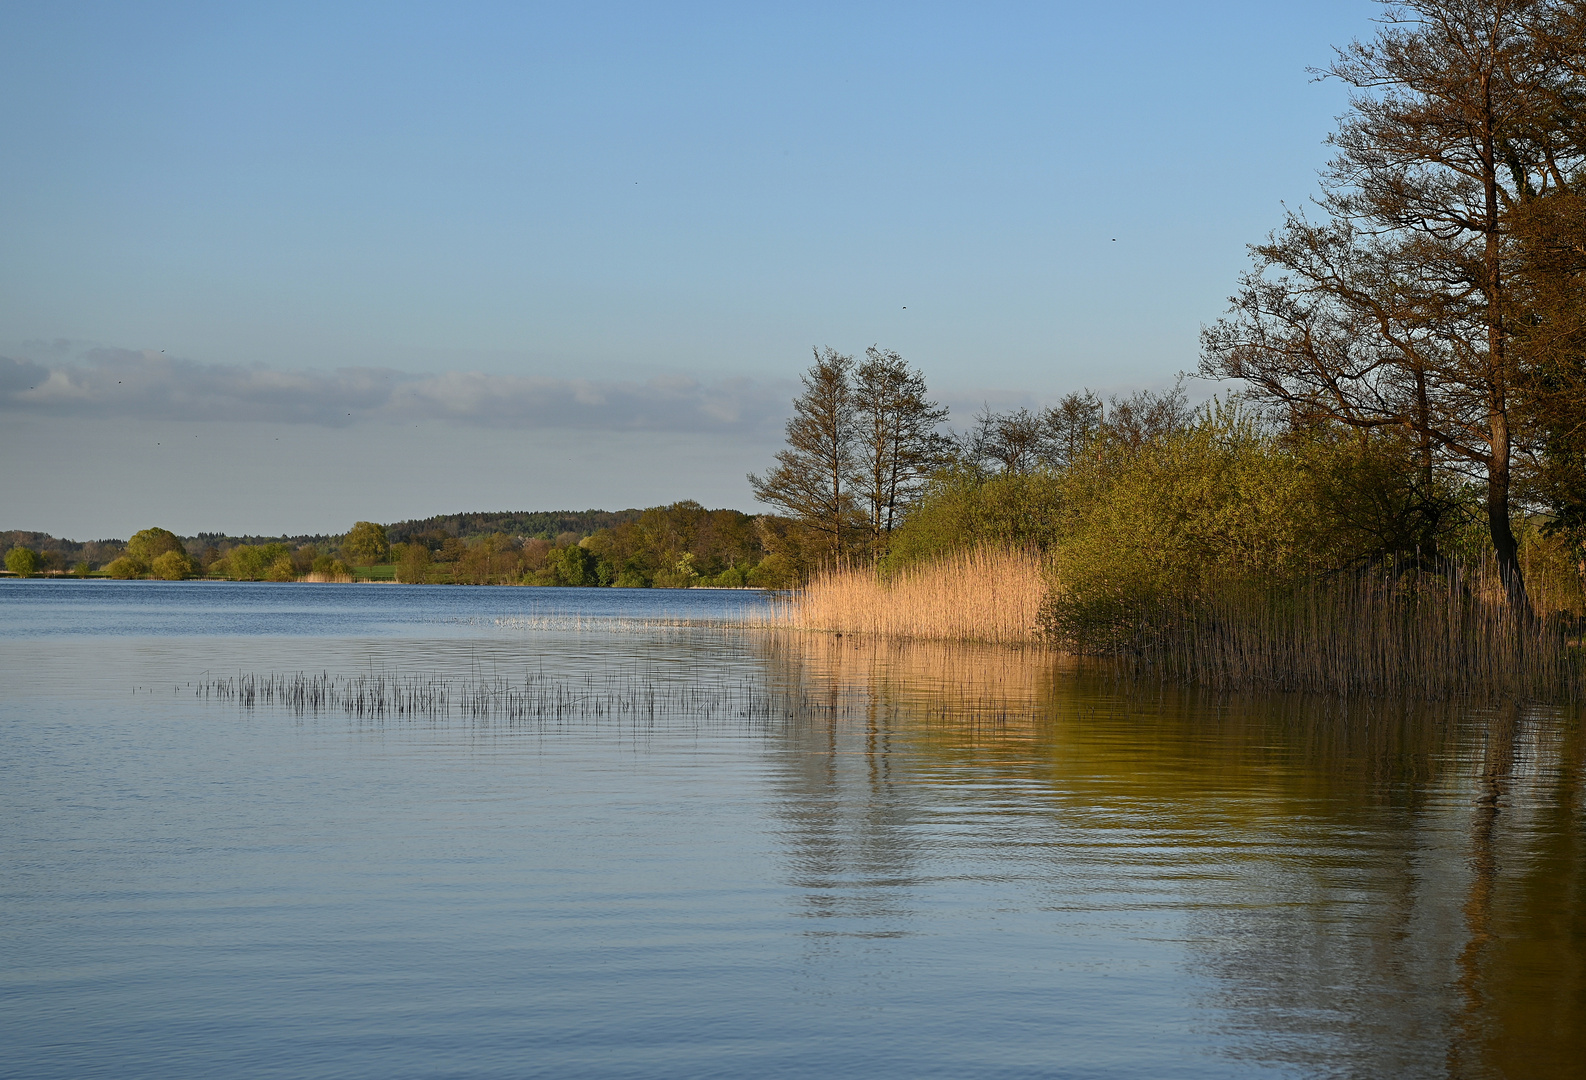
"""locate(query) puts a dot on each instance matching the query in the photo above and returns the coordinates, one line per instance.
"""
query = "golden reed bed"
(1428, 635)
(985, 595)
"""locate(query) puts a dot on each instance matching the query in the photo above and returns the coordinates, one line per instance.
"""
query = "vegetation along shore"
(1387, 496)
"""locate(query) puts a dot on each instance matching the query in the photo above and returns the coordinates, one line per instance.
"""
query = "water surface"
(886, 862)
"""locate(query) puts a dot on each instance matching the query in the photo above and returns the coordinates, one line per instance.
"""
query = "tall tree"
(366, 543)
(898, 445)
(1070, 425)
(1398, 311)
(811, 476)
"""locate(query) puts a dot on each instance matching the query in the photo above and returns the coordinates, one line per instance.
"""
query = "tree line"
(1409, 349)
(1432, 297)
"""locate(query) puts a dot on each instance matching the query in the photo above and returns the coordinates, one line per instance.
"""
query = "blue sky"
(591, 246)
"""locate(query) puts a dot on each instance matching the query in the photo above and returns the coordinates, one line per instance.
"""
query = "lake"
(724, 853)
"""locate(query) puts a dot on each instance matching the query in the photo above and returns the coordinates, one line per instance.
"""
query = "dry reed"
(381, 695)
(984, 595)
(1391, 632)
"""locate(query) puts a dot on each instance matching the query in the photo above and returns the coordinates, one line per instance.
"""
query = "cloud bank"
(126, 384)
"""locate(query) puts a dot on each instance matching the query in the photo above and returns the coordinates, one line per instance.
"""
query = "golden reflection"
(1374, 888)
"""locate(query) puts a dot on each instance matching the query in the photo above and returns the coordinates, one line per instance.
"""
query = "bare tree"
(1146, 416)
(1070, 426)
(811, 476)
(1015, 441)
(898, 442)
(1398, 312)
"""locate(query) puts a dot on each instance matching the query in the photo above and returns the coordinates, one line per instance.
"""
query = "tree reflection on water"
(1361, 887)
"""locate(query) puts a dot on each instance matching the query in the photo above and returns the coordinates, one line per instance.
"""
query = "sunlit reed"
(984, 595)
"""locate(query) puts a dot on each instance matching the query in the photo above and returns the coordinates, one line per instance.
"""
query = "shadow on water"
(1362, 887)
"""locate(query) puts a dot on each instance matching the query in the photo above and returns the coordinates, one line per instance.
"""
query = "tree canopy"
(366, 543)
(1418, 302)
(23, 562)
(861, 446)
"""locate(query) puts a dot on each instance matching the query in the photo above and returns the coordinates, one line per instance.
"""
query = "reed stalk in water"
(1393, 632)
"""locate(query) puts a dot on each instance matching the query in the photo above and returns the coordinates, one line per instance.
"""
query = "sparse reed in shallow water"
(790, 690)
(985, 595)
(379, 695)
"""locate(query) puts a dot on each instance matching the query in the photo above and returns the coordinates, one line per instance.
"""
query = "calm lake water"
(816, 857)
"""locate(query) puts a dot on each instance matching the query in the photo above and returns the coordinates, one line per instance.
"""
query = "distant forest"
(536, 524)
(539, 524)
(679, 545)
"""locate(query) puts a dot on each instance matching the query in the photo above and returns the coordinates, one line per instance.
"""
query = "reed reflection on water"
(798, 855)
(1374, 888)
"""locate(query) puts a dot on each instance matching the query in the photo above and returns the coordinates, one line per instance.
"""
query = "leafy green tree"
(81, 569)
(22, 561)
(680, 575)
(149, 544)
(366, 543)
(1404, 308)
(775, 571)
(573, 565)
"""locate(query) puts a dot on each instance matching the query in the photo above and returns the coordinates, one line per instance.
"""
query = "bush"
(281, 569)
(23, 562)
(413, 563)
(149, 544)
(126, 568)
(173, 566)
(963, 509)
(247, 562)
(775, 571)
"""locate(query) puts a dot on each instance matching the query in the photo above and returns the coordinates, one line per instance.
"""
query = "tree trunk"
(1504, 544)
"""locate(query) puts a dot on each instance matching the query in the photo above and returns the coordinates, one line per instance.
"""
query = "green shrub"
(965, 509)
(775, 571)
(253, 562)
(126, 568)
(173, 566)
(149, 544)
(413, 563)
(22, 561)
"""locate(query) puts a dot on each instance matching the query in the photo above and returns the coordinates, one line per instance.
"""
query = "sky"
(271, 269)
